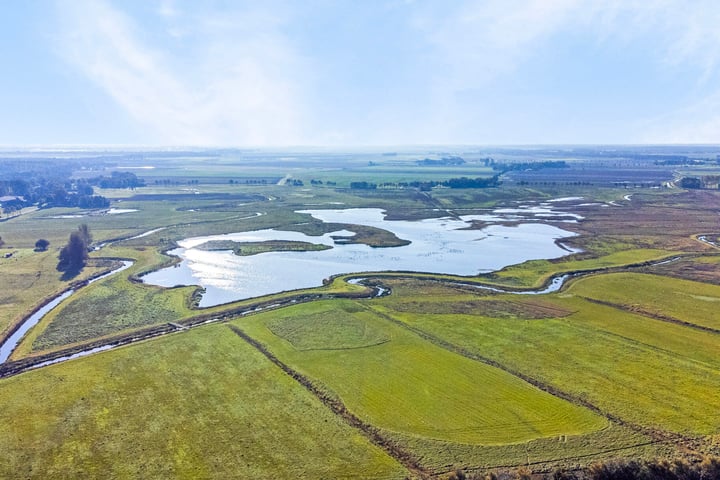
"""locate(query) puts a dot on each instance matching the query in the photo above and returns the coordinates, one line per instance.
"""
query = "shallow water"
(438, 245)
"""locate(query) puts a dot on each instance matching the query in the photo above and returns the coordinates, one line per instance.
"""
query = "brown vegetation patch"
(255, 248)
(657, 221)
(511, 309)
(419, 288)
(690, 269)
(371, 236)
(409, 214)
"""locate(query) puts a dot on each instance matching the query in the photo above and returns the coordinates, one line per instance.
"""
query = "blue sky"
(325, 72)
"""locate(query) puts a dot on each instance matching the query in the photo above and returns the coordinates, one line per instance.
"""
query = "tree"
(85, 234)
(690, 182)
(41, 245)
(73, 255)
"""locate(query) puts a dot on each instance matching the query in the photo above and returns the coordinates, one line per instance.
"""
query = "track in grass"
(412, 386)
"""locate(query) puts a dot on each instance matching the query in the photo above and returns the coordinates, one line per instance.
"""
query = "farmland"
(434, 373)
(593, 354)
(86, 407)
(441, 395)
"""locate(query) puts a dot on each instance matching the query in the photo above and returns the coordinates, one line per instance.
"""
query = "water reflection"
(438, 245)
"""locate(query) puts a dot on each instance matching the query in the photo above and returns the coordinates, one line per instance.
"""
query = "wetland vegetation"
(427, 376)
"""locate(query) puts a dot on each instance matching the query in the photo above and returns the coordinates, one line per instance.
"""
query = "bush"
(41, 245)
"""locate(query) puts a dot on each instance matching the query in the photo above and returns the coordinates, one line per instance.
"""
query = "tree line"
(46, 188)
(462, 182)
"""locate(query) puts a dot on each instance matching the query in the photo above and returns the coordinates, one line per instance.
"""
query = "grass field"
(109, 306)
(28, 279)
(198, 405)
(693, 302)
(598, 353)
(410, 386)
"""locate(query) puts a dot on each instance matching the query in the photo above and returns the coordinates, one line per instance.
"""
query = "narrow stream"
(9, 346)
(705, 239)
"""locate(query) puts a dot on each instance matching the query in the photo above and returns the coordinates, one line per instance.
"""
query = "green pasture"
(606, 356)
(116, 305)
(401, 383)
(693, 302)
(327, 330)
(202, 404)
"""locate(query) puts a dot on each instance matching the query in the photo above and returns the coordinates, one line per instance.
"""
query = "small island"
(254, 248)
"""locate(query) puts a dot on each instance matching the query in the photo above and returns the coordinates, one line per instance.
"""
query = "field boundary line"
(372, 433)
(655, 316)
(546, 387)
(658, 436)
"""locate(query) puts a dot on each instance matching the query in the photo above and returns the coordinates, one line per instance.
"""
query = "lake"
(438, 245)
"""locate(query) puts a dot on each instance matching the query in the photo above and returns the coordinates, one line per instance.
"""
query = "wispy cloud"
(238, 84)
(687, 37)
(167, 9)
(491, 37)
(478, 42)
(696, 123)
(235, 73)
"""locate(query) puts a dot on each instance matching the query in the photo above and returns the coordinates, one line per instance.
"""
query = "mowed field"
(596, 353)
(196, 405)
(694, 303)
(399, 382)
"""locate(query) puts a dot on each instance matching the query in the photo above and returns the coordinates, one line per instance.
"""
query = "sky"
(355, 73)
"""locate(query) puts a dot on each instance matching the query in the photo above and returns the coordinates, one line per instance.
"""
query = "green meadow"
(399, 382)
(599, 354)
(674, 299)
(29, 279)
(196, 405)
